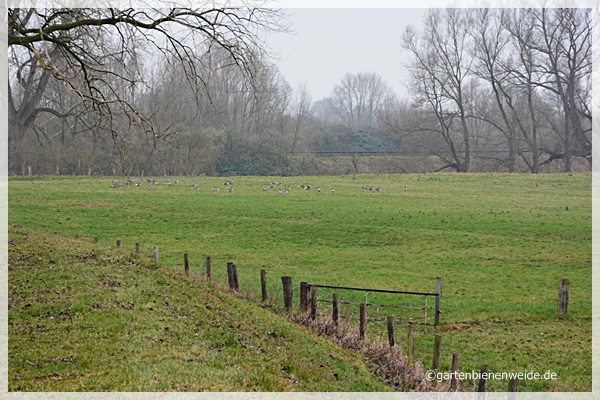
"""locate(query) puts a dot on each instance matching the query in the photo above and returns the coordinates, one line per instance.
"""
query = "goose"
(215, 189)
(230, 189)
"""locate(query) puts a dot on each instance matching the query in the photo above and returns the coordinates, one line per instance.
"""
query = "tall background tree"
(440, 72)
(357, 99)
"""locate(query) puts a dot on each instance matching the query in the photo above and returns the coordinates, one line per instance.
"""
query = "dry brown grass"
(390, 362)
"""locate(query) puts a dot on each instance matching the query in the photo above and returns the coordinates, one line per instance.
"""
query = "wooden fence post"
(437, 343)
(390, 329)
(563, 297)
(304, 288)
(363, 320)
(263, 284)
(425, 316)
(438, 294)
(287, 292)
(411, 344)
(454, 378)
(512, 384)
(335, 309)
(156, 255)
(236, 282)
(482, 378)
(313, 302)
(118, 243)
(137, 248)
(186, 264)
(230, 275)
(208, 272)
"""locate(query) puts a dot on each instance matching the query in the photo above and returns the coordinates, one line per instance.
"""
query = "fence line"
(309, 297)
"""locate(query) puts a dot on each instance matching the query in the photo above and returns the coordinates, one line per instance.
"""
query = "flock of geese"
(229, 186)
(286, 190)
(151, 182)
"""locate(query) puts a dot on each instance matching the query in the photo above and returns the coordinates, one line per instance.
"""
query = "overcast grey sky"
(329, 43)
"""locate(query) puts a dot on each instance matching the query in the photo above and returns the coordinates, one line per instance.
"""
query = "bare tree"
(567, 51)
(95, 53)
(506, 62)
(440, 70)
(490, 45)
(301, 109)
(358, 98)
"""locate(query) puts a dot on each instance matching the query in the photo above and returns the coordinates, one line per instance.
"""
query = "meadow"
(500, 243)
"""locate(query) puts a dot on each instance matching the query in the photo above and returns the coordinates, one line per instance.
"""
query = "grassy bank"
(83, 318)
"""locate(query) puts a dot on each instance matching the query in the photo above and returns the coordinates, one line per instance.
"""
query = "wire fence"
(375, 310)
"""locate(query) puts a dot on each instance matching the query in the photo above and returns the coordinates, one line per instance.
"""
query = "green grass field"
(500, 243)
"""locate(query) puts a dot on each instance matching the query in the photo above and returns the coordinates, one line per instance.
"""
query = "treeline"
(513, 81)
(491, 90)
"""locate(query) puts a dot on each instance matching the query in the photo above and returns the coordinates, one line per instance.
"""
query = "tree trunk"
(14, 135)
(20, 120)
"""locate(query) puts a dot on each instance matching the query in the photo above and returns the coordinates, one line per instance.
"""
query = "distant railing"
(307, 293)
(365, 153)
